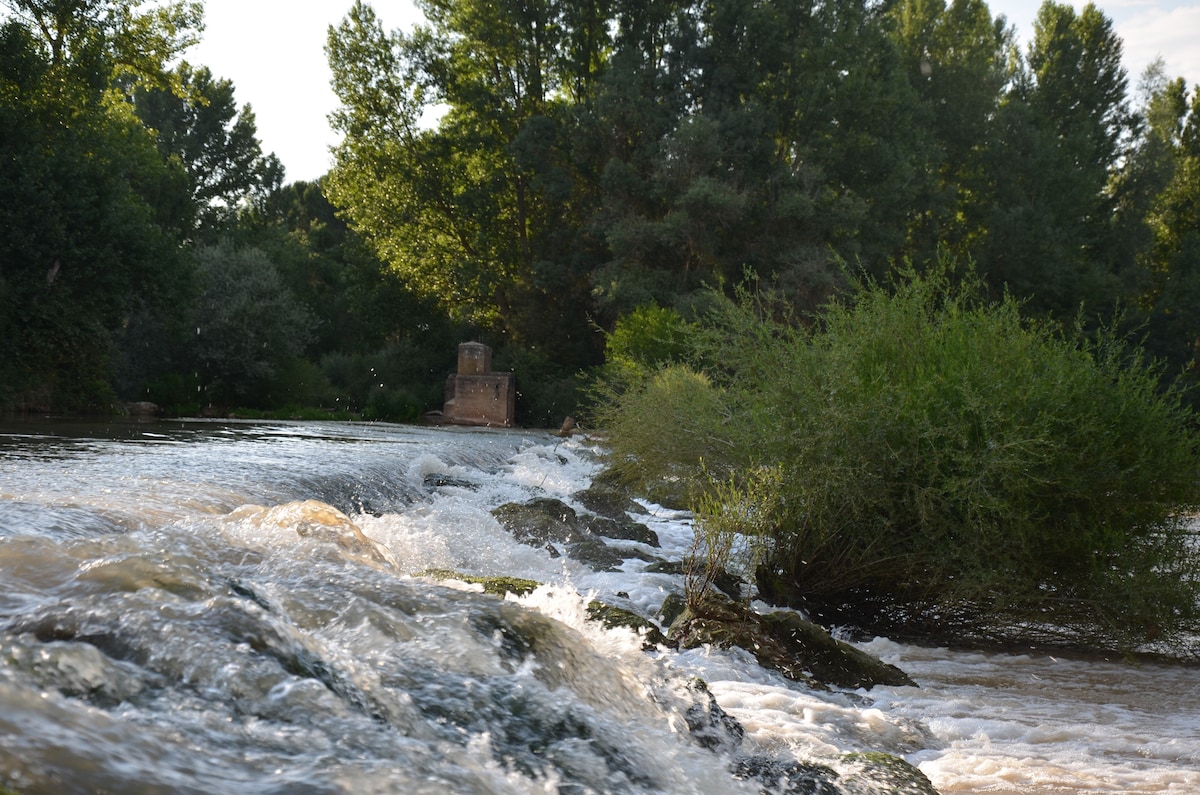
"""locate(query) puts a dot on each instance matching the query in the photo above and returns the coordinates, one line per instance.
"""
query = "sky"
(273, 51)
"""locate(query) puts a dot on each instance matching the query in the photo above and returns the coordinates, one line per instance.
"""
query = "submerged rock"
(783, 641)
(871, 772)
(780, 777)
(438, 480)
(320, 522)
(553, 525)
(540, 521)
(609, 615)
(612, 616)
(608, 500)
(712, 727)
(621, 531)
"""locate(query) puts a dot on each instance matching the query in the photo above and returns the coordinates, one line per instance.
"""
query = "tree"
(1060, 134)
(1172, 262)
(247, 325)
(135, 46)
(198, 123)
(796, 140)
(959, 60)
(86, 205)
(461, 210)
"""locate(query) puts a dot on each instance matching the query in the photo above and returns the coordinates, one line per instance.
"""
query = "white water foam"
(990, 723)
(978, 722)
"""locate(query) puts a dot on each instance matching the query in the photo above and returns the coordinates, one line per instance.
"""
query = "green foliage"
(937, 452)
(197, 123)
(661, 433)
(733, 528)
(248, 326)
(547, 391)
(641, 342)
(84, 246)
(399, 381)
(394, 405)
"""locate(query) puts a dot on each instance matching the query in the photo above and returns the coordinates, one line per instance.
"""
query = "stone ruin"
(477, 396)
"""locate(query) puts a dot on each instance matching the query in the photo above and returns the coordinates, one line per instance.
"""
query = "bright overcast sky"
(273, 51)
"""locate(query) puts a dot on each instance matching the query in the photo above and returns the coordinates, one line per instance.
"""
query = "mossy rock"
(787, 777)
(540, 521)
(874, 772)
(661, 491)
(785, 642)
(497, 586)
(553, 525)
(608, 615)
(609, 500)
(831, 660)
(612, 616)
(621, 530)
(672, 608)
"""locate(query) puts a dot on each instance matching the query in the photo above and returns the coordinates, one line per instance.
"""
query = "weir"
(203, 606)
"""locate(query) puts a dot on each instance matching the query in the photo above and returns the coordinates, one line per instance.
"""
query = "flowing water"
(214, 607)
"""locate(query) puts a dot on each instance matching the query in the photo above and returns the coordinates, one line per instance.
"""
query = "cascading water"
(209, 607)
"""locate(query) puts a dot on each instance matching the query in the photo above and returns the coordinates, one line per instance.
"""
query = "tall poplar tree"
(476, 211)
(1172, 262)
(199, 123)
(1059, 136)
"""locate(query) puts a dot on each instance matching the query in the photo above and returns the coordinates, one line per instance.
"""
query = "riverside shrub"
(933, 451)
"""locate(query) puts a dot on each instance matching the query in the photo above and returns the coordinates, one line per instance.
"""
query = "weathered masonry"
(477, 396)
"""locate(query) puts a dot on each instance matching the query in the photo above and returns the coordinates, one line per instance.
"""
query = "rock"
(540, 521)
(608, 615)
(318, 521)
(497, 586)
(608, 500)
(672, 608)
(568, 427)
(438, 481)
(785, 642)
(830, 660)
(612, 616)
(712, 727)
(787, 777)
(553, 525)
(622, 531)
(593, 552)
(871, 772)
(143, 408)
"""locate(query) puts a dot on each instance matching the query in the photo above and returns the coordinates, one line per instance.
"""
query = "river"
(179, 614)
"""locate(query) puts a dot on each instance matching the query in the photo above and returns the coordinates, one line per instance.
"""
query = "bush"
(248, 325)
(547, 392)
(397, 382)
(938, 455)
(391, 405)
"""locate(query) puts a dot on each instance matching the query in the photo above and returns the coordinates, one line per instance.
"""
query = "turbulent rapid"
(200, 607)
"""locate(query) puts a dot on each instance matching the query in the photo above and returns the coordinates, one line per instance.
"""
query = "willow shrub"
(935, 451)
